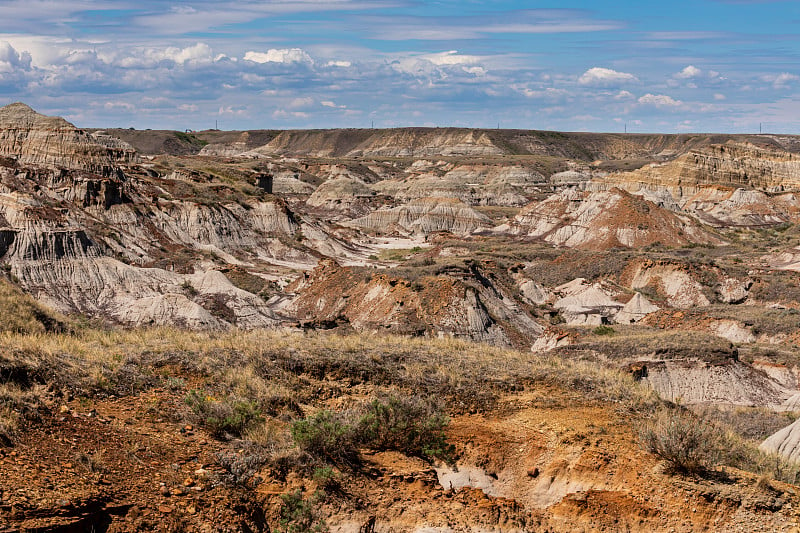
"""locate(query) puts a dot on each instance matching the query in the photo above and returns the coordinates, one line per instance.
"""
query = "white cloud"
(719, 97)
(300, 103)
(624, 95)
(199, 53)
(783, 80)
(282, 114)
(599, 76)
(451, 57)
(11, 59)
(688, 73)
(341, 64)
(659, 100)
(279, 55)
(123, 106)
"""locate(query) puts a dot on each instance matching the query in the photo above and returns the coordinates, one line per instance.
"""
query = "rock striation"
(785, 442)
(602, 220)
(425, 216)
(35, 139)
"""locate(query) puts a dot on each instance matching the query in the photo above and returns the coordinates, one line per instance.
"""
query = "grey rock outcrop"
(36, 139)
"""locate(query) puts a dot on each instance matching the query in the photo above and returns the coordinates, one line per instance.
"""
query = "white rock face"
(698, 382)
(733, 331)
(140, 296)
(585, 303)
(734, 291)
(425, 216)
(550, 340)
(534, 293)
(785, 442)
(636, 309)
(168, 309)
(679, 287)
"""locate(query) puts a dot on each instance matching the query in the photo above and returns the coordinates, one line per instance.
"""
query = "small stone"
(165, 491)
(166, 509)
(63, 409)
(188, 482)
(201, 473)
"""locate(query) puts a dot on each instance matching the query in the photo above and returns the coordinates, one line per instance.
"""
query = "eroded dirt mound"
(333, 296)
(604, 220)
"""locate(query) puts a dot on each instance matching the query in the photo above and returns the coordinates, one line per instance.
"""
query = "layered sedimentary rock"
(731, 184)
(602, 220)
(698, 382)
(472, 184)
(453, 305)
(424, 216)
(342, 193)
(672, 280)
(785, 442)
(37, 139)
(374, 143)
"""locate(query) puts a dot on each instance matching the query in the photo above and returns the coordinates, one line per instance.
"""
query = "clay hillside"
(422, 330)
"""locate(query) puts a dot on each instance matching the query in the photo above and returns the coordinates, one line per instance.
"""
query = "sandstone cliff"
(36, 139)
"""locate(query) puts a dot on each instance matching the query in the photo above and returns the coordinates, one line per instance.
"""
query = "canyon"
(554, 291)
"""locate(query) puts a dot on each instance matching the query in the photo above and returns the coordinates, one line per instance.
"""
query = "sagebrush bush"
(300, 515)
(329, 436)
(687, 444)
(223, 417)
(414, 426)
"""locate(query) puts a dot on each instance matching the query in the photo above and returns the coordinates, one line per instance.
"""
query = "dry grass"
(278, 365)
(23, 314)
(633, 342)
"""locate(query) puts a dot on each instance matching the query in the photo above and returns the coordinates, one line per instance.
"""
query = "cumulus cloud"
(300, 103)
(659, 100)
(12, 60)
(279, 55)
(604, 77)
(151, 57)
(688, 73)
(784, 80)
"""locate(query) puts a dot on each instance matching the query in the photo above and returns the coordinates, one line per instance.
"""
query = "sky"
(569, 65)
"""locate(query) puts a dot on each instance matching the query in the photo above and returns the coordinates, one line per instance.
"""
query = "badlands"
(419, 329)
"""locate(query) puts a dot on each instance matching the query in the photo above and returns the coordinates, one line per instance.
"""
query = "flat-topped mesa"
(733, 164)
(37, 139)
(401, 142)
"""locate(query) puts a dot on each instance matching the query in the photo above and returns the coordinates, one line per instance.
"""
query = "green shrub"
(299, 515)
(327, 479)
(687, 443)
(603, 330)
(229, 416)
(413, 426)
(328, 436)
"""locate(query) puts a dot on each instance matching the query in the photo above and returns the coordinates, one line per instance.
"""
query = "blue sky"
(678, 66)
